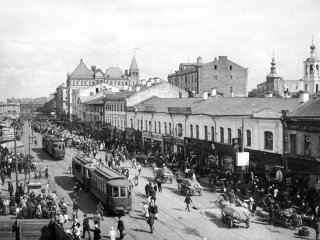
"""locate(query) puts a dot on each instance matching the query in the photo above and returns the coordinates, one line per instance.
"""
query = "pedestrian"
(97, 218)
(96, 233)
(86, 226)
(10, 188)
(76, 232)
(100, 209)
(46, 172)
(271, 213)
(151, 222)
(159, 183)
(147, 190)
(121, 227)
(112, 234)
(75, 209)
(155, 188)
(70, 169)
(188, 201)
(139, 168)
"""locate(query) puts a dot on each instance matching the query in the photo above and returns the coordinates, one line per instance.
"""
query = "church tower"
(274, 81)
(134, 72)
(311, 76)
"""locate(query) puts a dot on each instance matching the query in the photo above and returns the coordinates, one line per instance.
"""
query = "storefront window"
(205, 132)
(307, 145)
(248, 138)
(268, 140)
(197, 131)
(170, 129)
(159, 123)
(155, 126)
(149, 126)
(293, 144)
(229, 135)
(221, 134)
(191, 131)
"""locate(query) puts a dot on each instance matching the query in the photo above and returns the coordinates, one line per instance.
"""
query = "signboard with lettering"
(156, 136)
(131, 109)
(242, 158)
(179, 110)
(304, 126)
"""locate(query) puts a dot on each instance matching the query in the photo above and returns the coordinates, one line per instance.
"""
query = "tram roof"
(54, 139)
(109, 173)
(120, 182)
(83, 159)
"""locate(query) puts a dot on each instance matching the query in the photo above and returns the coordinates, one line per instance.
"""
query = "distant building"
(9, 108)
(28, 105)
(229, 78)
(309, 83)
(62, 100)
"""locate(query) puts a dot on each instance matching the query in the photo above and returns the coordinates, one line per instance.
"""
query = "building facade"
(62, 100)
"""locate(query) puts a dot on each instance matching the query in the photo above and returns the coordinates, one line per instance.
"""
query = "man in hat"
(86, 226)
(120, 227)
(112, 234)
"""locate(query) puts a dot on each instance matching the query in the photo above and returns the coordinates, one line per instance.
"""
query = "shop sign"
(242, 158)
(156, 136)
(304, 126)
(146, 135)
(179, 141)
(179, 110)
(131, 109)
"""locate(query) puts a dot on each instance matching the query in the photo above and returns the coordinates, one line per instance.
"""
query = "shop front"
(147, 139)
(179, 146)
(157, 142)
(130, 138)
(264, 163)
(138, 141)
(167, 144)
(225, 155)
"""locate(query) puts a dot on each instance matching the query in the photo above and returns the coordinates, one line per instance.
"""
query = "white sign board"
(242, 158)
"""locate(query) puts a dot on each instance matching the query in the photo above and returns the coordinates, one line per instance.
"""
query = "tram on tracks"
(54, 146)
(112, 188)
(82, 166)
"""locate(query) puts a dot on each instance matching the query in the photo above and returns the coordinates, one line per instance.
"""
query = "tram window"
(59, 146)
(55, 146)
(115, 192)
(122, 191)
(63, 146)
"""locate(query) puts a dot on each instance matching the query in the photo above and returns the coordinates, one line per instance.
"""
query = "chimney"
(304, 97)
(137, 88)
(93, 68)
(205, 95)
(199, 60)
(213, 92)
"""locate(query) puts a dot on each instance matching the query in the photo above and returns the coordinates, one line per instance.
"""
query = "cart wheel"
(248, 223)
(230, 223)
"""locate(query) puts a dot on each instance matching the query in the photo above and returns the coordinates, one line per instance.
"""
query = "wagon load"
(239, 213)
(192, 187)
(163, 174)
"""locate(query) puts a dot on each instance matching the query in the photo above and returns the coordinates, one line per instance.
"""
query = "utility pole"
(15, 153)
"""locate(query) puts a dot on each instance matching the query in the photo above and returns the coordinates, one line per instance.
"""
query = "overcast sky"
(41, 41)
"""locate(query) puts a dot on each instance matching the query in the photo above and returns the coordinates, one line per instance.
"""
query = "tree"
(254, 93)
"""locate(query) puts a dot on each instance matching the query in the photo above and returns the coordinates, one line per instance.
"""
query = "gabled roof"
(134, 65)
(114, 72)
(82, 71)
(308, 109)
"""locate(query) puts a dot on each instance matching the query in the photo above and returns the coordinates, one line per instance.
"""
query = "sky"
(42, 40)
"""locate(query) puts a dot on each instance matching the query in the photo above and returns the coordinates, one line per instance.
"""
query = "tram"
(54, 146)
(112, 189)
(82, 167)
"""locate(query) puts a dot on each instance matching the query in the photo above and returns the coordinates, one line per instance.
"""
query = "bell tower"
(134, 72)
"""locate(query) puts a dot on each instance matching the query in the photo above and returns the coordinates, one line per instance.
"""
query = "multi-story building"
(302, 142)
(28, 105)
(229, 78)
(207, 127)
(62, 100)
(83, 77)
(310, 81)
(9, 108)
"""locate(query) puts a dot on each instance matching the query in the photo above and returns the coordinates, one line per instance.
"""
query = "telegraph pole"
(15, 154)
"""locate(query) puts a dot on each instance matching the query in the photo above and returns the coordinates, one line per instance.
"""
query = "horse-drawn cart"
(163, 175)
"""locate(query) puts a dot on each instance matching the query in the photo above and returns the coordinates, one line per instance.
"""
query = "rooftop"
(309, 109)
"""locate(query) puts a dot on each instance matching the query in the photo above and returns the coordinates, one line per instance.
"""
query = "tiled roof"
(243, 106)
(82, 71)
(119, 95)
(308, 109)
(96, 98)
(114, 72)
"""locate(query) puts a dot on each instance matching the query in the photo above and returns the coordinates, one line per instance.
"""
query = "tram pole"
(15, 154)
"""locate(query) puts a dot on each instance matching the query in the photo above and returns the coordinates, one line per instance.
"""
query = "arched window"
(212, 133)
(268, 140)
(205, 132)
(248, 138)
(191, 130)
(76, 82)
(197, 131)
(179, 130)
(229, 135)
(221, 134)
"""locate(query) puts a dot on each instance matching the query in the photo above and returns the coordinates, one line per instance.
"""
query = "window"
(240, 136)
(146, 126)
(230, 77)
(121, 107)
(205, 132)
(212, 133)
(170, 129)
(307, 145)
(159, 127)
(231, 89)
(230, 67)
(221, 134)
(141, 125)
(149, 126)
(197, 131)
(268, 140)
(138, 124)
(248, 138)
(165, 128)
(123, 192)
(155, 126)
(293, 143)
(131, 122)
(215, 67)
(179, 130)
(229, 135)
(191, 131)
(115, 192)
(215, 77)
